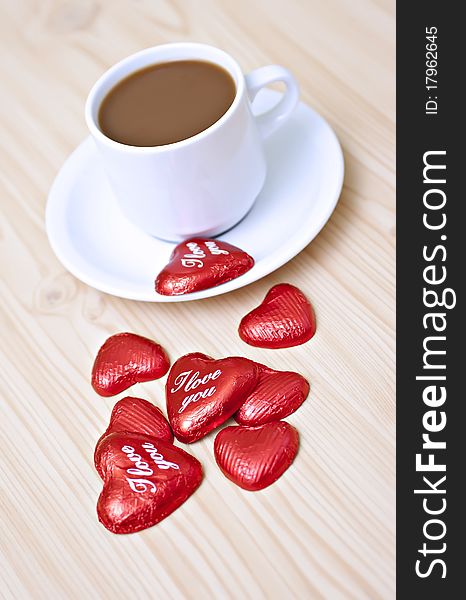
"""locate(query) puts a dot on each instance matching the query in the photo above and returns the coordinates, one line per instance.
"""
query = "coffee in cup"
(166, 102)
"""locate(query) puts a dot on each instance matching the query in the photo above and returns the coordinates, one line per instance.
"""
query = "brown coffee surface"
(166, 103)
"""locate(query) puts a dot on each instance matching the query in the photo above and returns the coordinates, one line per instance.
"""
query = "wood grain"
(326, 529)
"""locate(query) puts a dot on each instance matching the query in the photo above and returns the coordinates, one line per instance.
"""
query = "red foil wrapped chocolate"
(284, 319)
(135, 415)
(126, 359)
(199, 264)
(202, 393)
(255, 457)
(145, 480)
(277, 395)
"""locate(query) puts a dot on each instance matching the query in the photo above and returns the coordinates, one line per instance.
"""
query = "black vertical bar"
(431, 270)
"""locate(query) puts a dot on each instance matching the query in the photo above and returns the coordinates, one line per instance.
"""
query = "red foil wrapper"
(126, 359)
(145, 480)
(284, 319)
(202, 393)
(277, 395)
(255, 457)
(199, 264)
(135, 415)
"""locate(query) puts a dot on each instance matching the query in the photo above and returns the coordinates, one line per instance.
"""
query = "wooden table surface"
(326, 529)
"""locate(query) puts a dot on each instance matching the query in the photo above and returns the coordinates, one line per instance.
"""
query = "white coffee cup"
(205, 184)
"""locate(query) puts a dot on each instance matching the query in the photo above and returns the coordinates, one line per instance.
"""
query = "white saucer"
(98, 245)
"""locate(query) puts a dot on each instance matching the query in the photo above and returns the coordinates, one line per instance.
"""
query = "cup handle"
(271, 120)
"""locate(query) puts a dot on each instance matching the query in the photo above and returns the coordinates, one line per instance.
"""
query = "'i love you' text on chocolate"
(199, 264)
(202, 392)
(145, 480)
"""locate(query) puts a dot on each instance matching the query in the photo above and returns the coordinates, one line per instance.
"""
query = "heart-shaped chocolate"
(145, 480)
(202, 393)
(135, 415)
(277, 395)
(199, 264)
(126, 359)
(284, 319)
(255, 457)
